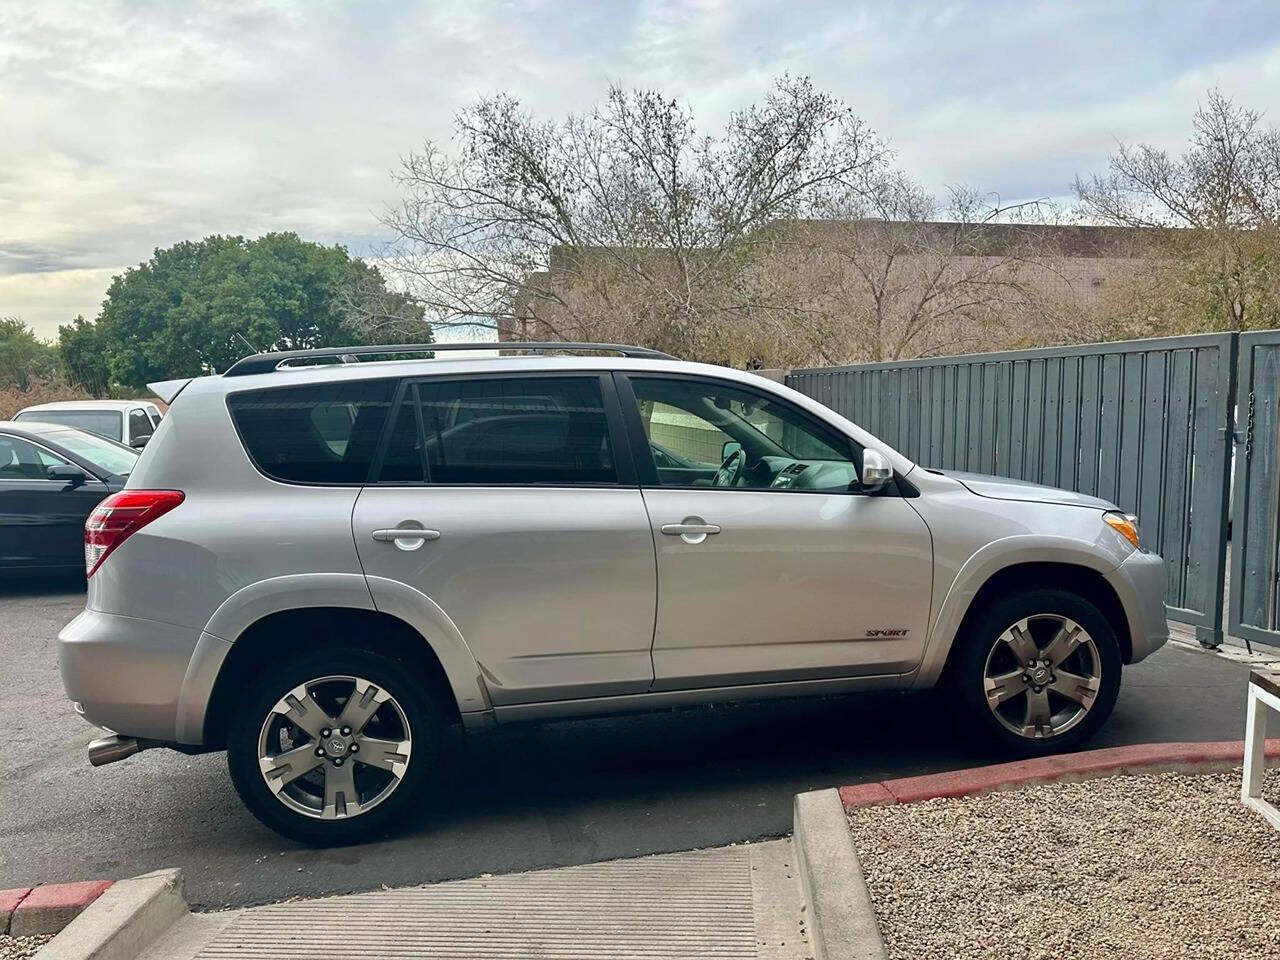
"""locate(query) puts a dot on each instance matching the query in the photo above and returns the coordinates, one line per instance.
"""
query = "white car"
(131, 422)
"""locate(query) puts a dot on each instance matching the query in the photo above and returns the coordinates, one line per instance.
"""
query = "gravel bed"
(1128, 867)
(20, 948)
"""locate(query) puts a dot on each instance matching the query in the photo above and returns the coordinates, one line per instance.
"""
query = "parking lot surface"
(516, 799)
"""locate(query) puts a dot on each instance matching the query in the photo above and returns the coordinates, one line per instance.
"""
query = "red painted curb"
(49, 908)
(1090, 763)
(866, 795)
(9, 900)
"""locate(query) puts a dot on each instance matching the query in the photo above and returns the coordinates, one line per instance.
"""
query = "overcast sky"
(126, 126)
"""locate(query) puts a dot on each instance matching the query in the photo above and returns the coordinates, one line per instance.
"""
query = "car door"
(778, 567)
(536, 541)
(41, 520)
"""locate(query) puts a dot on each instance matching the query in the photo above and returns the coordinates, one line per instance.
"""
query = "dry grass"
(12, 399)
(1162, 866)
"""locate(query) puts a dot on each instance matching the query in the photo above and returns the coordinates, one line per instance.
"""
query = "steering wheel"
(730, 471)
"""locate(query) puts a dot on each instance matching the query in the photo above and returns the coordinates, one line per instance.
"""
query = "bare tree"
(890, 272)
(1214, 210)
(625, 221)
(377, 314)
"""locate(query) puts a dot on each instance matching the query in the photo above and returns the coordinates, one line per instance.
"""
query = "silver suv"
(320, 565)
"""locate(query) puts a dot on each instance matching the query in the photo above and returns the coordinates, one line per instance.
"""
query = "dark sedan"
(51, 478)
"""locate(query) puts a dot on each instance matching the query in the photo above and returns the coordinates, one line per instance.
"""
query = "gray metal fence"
(1144, 423)
(1255, 580)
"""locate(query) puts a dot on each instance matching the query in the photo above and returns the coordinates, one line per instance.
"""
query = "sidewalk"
(733, 902)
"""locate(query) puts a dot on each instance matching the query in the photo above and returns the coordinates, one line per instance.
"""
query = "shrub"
(12, 399)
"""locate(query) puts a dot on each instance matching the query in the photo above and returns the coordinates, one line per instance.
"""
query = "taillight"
(120, 516)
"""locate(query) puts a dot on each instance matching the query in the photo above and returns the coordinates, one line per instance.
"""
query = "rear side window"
(317, 433)
(537, 430)
(20, 460)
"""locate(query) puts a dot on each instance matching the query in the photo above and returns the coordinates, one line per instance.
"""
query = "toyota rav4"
(322, 560)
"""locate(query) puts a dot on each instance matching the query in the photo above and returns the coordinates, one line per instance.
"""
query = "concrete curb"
(122, 922)
(842, 922)
(1208, 757)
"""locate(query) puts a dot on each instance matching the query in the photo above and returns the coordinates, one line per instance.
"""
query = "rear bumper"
(1139, 582)
(127, 674)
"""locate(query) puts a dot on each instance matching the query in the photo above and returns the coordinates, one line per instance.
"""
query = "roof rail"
(269, 362)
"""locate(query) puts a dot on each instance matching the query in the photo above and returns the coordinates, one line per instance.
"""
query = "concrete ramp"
(732, 903)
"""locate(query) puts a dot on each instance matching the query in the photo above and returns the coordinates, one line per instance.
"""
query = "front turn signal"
(1125, 524)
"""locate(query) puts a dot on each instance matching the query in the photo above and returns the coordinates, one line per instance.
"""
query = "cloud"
(48, 298)
(125, 126)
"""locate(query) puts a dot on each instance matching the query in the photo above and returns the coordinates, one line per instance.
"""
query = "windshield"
(107, 456)
(106, 423)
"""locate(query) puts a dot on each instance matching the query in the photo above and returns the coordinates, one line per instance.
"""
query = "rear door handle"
(680, 529)
(690, 529)
(406, 538)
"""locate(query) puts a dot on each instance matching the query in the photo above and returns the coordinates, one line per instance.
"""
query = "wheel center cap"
(336, 746)
(1040, 675)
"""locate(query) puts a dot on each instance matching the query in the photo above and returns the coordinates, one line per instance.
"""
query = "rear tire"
(1037, 672)
(298, 771)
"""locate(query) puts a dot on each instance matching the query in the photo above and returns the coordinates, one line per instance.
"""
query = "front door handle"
(690, 529)
(406, 538)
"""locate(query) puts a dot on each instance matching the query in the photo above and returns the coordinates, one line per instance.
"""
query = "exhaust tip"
(106, 750)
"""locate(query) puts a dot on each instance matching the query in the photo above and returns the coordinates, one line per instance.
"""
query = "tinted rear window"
(317, 433)
(106, 423)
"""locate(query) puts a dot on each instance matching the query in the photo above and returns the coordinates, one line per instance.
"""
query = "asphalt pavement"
(519, 798)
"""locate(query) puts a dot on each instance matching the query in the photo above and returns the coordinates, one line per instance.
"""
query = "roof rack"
(269, 362)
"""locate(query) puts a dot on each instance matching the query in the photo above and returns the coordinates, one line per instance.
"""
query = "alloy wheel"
(1042, 676)
(334, 747)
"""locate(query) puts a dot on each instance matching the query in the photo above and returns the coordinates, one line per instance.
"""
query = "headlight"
(1125, 524)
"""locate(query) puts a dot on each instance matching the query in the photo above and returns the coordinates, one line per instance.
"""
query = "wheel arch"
(255, 647)
(1068, 567)
(405, 623)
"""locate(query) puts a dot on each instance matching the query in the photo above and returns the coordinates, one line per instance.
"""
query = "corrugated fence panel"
(1143, 423)
(1255, 557)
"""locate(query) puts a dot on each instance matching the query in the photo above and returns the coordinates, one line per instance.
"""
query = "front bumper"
(1139, 582)
(126, 674)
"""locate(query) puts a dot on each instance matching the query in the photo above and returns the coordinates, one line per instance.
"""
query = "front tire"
(332, 746)
(1038, 671)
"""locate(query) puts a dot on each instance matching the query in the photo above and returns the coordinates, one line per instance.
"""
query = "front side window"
(706, 433)
(527, 431)
(316, 433)
(21, 460)
(140, 425)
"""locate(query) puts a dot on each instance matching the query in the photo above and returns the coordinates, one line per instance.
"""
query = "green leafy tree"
(83, 352)
(197, 307)
(24, 358)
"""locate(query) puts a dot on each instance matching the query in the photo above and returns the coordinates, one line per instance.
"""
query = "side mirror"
(876, 470)
(139, 442)
(67, 473)
(729, 448)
